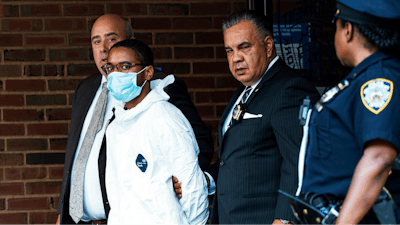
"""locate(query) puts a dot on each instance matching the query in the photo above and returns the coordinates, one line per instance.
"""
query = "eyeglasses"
(121, 67)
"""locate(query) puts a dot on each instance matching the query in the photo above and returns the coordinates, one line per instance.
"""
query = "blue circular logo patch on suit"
(141, 163)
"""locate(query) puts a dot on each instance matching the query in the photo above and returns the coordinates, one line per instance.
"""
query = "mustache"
(239, 66)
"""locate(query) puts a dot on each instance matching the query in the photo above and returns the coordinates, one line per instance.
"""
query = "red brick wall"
(45, 52)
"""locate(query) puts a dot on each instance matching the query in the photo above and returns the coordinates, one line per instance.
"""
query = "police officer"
(354, 130)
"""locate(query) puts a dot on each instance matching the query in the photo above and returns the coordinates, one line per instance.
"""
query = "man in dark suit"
(259, 133)
(106, 31)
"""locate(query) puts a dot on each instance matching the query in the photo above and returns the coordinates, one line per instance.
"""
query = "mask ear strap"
(143, 84)
(142, 70)
(145, 79)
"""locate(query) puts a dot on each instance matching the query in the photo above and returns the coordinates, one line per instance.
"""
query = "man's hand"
(177, 187)
(58, 219)
(279, 221)
(207, 179)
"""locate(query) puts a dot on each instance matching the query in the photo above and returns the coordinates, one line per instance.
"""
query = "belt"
(104, 221)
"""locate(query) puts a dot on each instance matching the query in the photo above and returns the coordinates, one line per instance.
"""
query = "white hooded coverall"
(146, 146)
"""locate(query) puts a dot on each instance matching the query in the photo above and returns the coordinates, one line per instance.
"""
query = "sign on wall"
(292, 43)
(304, 38)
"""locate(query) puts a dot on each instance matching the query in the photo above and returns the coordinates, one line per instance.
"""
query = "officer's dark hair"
(259, 21)
(142, 51)
(385, 38)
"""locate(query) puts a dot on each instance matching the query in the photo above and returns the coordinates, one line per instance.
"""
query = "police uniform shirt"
(369, 108)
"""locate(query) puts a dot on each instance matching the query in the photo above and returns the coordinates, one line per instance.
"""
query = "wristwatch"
(285, 221)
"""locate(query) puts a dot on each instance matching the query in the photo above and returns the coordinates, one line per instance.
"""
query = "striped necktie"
(246, 94)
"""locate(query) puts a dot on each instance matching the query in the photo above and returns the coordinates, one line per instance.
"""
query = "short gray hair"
(259, 21)
(128, 29)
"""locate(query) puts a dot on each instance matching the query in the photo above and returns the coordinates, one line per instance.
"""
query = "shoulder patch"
(376, 94)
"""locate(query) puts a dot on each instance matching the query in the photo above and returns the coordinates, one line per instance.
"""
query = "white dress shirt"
(93, 208)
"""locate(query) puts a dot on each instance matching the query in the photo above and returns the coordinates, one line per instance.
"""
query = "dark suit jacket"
(83, 98)
(259, 156)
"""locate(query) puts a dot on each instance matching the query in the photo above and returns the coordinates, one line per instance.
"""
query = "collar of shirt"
(373, 58)
(229, 117)
(269, 66)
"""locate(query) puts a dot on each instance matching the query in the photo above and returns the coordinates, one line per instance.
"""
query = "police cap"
(372, 12)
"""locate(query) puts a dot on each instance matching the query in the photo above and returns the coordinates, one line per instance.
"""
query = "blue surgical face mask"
(123, 86)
